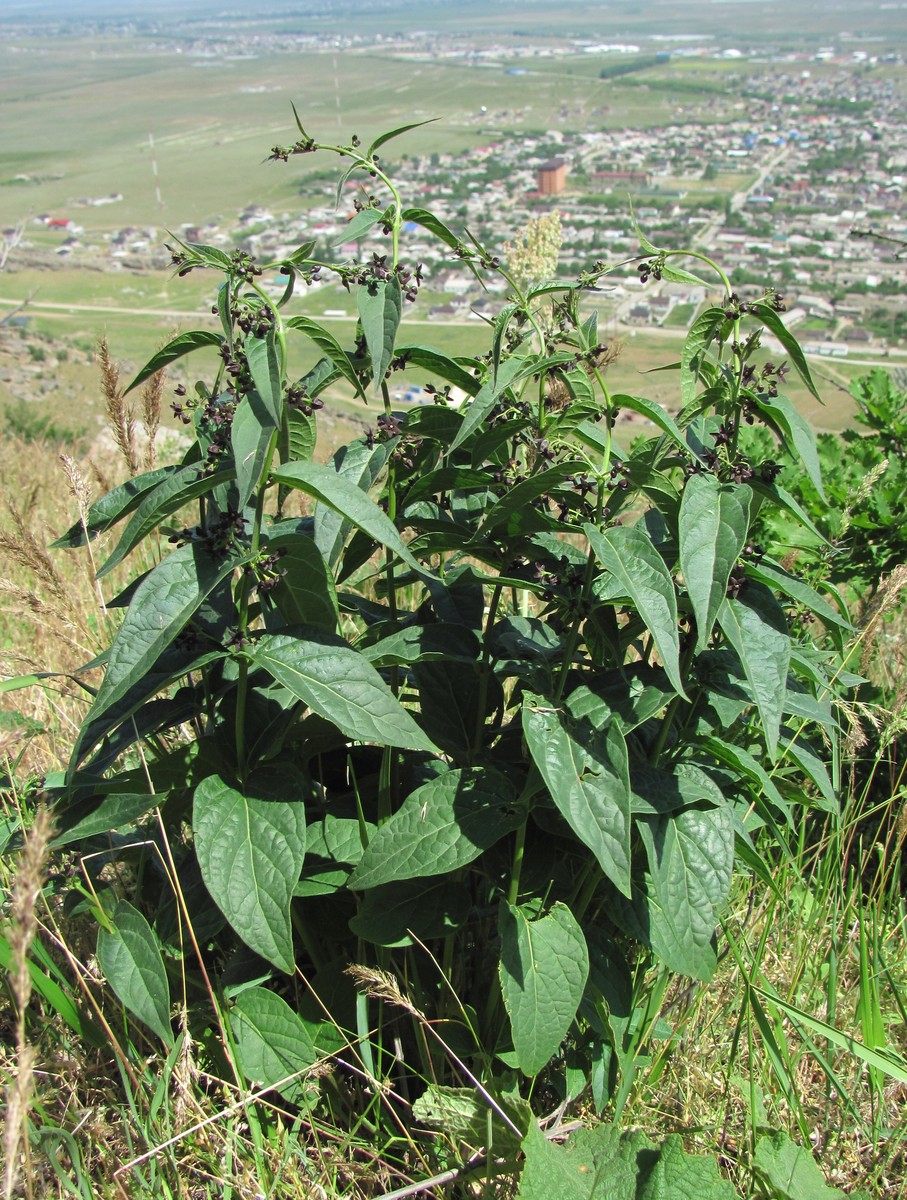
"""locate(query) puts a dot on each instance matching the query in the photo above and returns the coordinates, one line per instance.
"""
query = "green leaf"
(796, 432)
(774, 576)
(359, 225)
(429, 359)
(114, 812)
(441, 642)
(251, 852)
(342, 494)
(713, 526)
(756, 627)
(272, 1042)
(183, 343)
(441, 826)
(131, 961)
(543, 971)
(329, 346)
(380, 311)
(251, 435)
(305, 594)
(486, 398)
(774, 324)
(188, 483)
(691, 862)
(340, 685)
(468, 1118)
(513, 507)
(640, 573)
(395, 133)
(700, 337)
(654, 413)
(790, 1170)
(586, 771)
(360, 466)
(111, 508)
(392, 914)
(428, 220)
(163, 604)
(678, 275)
(590, 1166)
(676, 1175)
(263, 358)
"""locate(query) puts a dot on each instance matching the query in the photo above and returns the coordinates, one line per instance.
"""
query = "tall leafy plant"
(488, 706)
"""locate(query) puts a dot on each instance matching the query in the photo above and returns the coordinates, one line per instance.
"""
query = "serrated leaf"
(713, 526)
(790, 1170)
(183, 343)
(131, 961)
(589, 1167)
(587, 773)
(776, 326)
(676, 1175)
(339, 684)
(251, 435)
(380, 308)
(691, 862)
(337, 491)
(188, 483)
(251, 852)
(272, 1041)
(543, 971)
(330, 347)
(109, 509)
(639, 572)
(756, 627)
(441, 826)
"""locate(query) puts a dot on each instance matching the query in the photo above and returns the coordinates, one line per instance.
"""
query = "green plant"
(436, 774)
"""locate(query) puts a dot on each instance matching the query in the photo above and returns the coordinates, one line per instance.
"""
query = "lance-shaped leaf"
(652, 412)
(263, 358)
(543, 971)
(361, 466)
(442, 825)
(112, 507)
(775, 577)
(272, 1041)
(163, 604)
(428, 220)
(513, 506)
(339, 684)
(132, 964)
(383, 138)
(183, 343)
(486, 398)
(430, 359)
(639, 572)
(756, 627)
(251, 852)
(113, 812)
(796, 431)
(251, 435)
(188, 483)
(713, 524)
(700, 337)
(340, 493)
(359, 225)
(330, 347)
(691, 861)
(587, 773)
(380, 311)
(773, 323)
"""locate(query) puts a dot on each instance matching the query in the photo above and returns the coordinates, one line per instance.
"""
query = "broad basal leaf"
(132, 964)
(339, 684)
(251, 852)
(442, 825)
(587, 774)
(272, 1042)
(713, 525)
(543, 971)
(639, 572)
